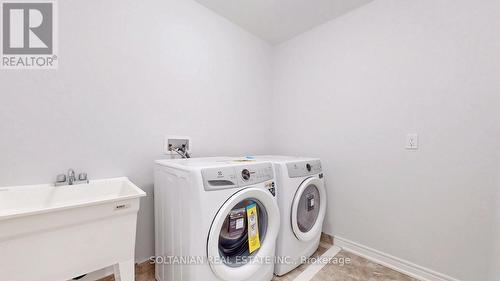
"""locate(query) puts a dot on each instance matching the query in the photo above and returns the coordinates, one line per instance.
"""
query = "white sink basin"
(57, 233)
(36, 199)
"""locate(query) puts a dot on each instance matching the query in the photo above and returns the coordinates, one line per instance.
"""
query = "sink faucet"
(71, 178)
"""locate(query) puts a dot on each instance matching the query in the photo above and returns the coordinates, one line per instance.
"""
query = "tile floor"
(143, 272)
(359, 269)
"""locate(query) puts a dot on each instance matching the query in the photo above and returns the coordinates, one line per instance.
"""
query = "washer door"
(308, 209)
(228, 242)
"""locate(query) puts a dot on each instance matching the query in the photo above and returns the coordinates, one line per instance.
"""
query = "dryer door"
(243, 234)
(308, 209)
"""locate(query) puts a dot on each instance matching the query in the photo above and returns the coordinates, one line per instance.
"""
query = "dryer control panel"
(304, 168)
(236, 176)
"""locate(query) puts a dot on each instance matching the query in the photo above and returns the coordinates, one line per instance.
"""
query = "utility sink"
(57, 233)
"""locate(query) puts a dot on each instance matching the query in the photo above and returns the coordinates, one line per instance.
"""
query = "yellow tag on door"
(253, 228)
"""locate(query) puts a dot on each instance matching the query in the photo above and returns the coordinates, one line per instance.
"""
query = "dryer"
(301, 195)
(216, 219)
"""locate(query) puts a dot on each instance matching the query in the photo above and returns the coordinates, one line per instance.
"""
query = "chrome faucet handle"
(61, 178)
(82, 177)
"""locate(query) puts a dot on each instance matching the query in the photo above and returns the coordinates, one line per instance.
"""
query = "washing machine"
(301, 195)
(216, 219)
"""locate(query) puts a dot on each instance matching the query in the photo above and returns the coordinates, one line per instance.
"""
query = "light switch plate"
(412, 141)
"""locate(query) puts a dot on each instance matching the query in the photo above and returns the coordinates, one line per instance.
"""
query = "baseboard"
(403, 266)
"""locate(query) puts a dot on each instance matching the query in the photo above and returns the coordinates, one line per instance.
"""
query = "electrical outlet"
(170, 143)
(412, 141)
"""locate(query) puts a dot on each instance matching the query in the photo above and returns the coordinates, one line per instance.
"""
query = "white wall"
(350, 90)
(130, 72)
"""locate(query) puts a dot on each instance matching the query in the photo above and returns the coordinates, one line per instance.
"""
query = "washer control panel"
(304, 168)
(256, 173)
(236, 176)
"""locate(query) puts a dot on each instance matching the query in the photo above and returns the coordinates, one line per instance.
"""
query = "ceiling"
(279, 20)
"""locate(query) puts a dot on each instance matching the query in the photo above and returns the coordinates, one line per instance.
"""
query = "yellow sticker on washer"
(253, 228)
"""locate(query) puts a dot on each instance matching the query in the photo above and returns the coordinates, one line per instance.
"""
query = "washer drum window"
(233, 237)
(308, 208)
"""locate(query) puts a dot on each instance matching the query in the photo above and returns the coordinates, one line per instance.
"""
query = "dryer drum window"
(233, 237)
(308, 208)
